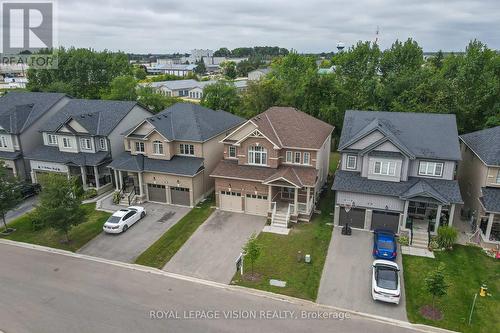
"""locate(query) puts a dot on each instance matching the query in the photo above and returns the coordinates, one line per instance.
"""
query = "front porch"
(426, 215)
(290, 204)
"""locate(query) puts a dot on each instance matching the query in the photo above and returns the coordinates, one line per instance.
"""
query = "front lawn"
(466, 268)
(158, 254)
(278, 258)
(46, 236)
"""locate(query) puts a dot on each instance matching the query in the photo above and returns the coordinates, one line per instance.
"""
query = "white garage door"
(256, 204)
(230, 201)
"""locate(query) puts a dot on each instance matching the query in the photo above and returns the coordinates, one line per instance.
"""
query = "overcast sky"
(164, 26)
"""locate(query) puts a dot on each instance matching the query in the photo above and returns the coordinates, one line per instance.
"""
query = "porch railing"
(273, 211)
(131, 195)
(291, 208)
(304, 207)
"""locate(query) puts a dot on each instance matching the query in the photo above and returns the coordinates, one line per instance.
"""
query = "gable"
(241, 132)
(387, 146)
(64, 129)
(367, 140)
(76, 126)
(144, 129)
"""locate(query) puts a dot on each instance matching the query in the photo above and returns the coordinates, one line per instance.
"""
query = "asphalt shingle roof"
(98, 117)
(485, 144)
(178, 165)
(53, 154)
(349, 181)
(425, 135)
(491, 199)
(193, 122)
(10, 155)
(19, 110)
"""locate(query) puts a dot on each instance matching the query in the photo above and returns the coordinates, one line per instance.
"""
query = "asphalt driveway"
(346, 279)
(24, 207)
(129, 245)
(211, 251)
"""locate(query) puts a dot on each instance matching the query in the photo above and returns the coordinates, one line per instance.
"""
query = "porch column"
(121, 178)
(405, 213)
(488, 227)
(269, 196)
(117, 181)
(307, 199)
(96, 176)
(438, 217)
(83, 172)
(141, 190)
(452, 214)
(336, 215)
(296, 201)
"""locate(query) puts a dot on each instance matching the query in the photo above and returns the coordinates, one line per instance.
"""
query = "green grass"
(79, 234)
(278, 258)
(158, 254)
(466, 269)
(334, 161)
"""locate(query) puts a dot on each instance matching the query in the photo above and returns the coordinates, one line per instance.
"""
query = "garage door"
(256, 204)
(180, 196)
(385, 221)
(157, 193)
(355, 217)
(230, 201)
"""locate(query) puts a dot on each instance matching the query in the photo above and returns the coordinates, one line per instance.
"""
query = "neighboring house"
(82, 138)
(170, 155)
(274, 165)
(21, 114)
(329, 70)
(189, 89)
(172, 69)
(397, 171)
(479, 177)
(258, 73)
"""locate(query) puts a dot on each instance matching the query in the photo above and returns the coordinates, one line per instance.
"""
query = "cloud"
(155, 26)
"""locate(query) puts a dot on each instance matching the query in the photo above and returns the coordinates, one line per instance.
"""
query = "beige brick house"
(168, 157)
(274, 165)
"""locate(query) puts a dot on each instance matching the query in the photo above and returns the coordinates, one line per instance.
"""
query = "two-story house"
(479, 177)
(274, 165)
(397, 171)
(170, 155)
(82, 138)
(21, 113)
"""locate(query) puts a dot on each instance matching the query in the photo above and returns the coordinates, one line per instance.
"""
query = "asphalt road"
(48, 292)
(24, 207)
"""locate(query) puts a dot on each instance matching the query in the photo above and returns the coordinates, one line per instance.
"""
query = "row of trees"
(366, 78)
(256, 51)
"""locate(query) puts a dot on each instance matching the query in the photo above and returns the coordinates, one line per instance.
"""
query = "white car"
(386, 286)
(123, 219)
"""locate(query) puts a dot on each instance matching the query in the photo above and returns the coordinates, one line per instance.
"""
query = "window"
(257, 155)
(85, 144)
(307, 157)
(232, 152)
(498, 177)
(139, 147)
(66, 143)
(385, 168)
(186, 149)
(3, 142)
(52, 139)
(434, 169)
(351, 162)
(289, 157)
(102, 144)
(157, 148)
(297, 158)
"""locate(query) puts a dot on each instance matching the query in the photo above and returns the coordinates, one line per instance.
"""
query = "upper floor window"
(307, 157)
(67, 143)
(186, 149)
(85, 144)
(385, 168)
(232, 151)
(157, 148)
(52, 139)
(3, 142)
(289, 157)
(297, 157)
(139, 147)
(351, 162)
(102, 144)
(430, 169)
(257, 155)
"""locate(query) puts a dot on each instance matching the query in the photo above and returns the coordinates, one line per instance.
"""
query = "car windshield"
(385, 244)
(113, 219)
(387, 278)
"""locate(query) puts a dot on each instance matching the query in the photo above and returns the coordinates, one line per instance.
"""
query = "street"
(50, 292)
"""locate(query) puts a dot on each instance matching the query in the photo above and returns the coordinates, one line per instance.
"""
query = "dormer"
(145, 139)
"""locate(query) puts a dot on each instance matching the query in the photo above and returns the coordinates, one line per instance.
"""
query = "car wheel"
(125, 227)
(143, 214)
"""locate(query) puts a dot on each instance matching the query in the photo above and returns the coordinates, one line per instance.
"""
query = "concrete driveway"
(211, 251)
(128, 246)
(346, 279)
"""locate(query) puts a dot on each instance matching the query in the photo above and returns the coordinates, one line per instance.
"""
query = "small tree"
(200, 67)
(435, 283)
(252, 250)
(59, 205)
(10, 196)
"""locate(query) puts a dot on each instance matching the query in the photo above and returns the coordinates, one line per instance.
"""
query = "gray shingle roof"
(52, 154)
(19, 110)
(10, 155)
(193, 122)
(447, 190)
(98, 117)
(485, 144)
(178, 165)
(424, 135)
(491, 199)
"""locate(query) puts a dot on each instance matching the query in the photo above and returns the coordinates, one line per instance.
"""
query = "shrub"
(404, 240)
(446, 237)
(116, 197)
(89, 194)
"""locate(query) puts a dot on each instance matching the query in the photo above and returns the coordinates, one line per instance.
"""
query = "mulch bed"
(430, 312)
(255, 277)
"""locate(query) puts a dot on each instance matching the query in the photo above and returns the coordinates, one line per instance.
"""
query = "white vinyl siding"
(257, 155)
(52, 139)
(498, 177)
(85, 144)
(66, 143)
(427, 168)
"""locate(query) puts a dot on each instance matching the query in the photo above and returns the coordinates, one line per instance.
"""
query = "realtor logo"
(27, 26)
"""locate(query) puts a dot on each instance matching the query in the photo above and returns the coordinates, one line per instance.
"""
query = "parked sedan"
(386, 285)
(384, 245)
(123, 219)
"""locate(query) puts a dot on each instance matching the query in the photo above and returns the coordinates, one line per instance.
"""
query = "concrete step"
(279, 224)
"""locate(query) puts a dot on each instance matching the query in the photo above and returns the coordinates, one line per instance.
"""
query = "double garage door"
(380, 219)
(178, 195)
(254, 204)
